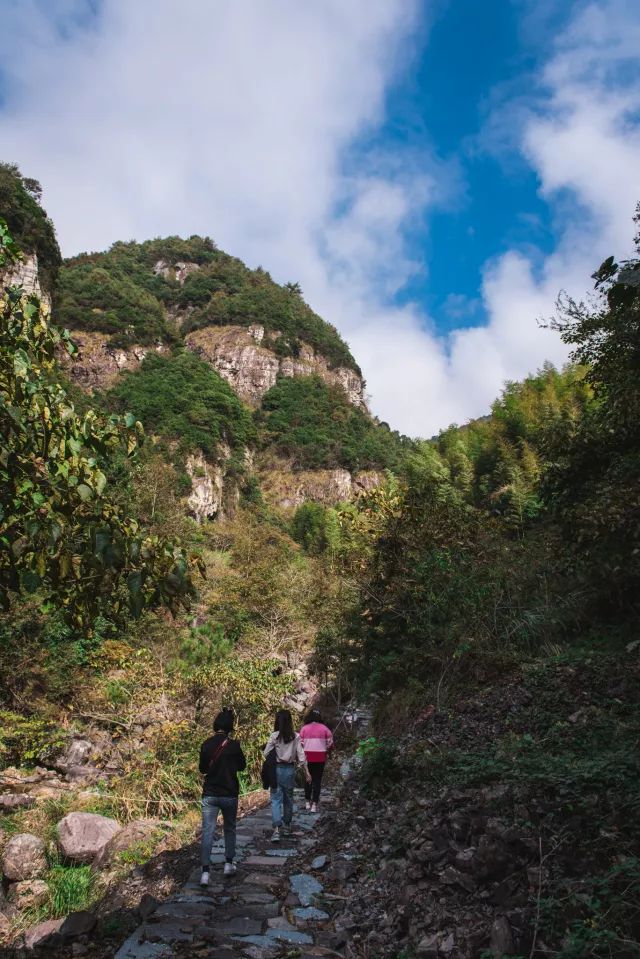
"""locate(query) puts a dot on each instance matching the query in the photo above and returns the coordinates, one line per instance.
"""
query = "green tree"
(593, 484)
(28, 223)
(60, 531)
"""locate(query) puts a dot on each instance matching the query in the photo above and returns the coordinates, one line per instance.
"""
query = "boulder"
(42, 933)
(11, 801)
(24, 857)
(134, 832)
(77, 924)
(502, 943)
(77, 753)
(28, 893)
(82, 835)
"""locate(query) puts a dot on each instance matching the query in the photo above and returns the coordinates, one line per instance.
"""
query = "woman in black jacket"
(221, 759)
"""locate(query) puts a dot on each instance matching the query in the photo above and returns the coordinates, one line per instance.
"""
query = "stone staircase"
(265, 910)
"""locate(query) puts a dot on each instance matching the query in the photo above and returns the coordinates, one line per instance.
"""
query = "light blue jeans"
(211, 806)
(282, 795)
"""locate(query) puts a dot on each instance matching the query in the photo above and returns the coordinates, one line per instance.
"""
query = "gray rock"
(447, 945)
(319, 862)
(28, 893)
(138, 831)
(147, 905)
(240, 926)
(305, 887)
(82, 836)
(310, 914)
(77, 924)
(427, 948)
(288, 935)
(259, 947)
(11, 801)
(502, 943)
(43, 933)
(133, 948)
(24, 857)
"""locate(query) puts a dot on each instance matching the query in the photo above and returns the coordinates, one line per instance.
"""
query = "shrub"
(182, 398)
(315, 425)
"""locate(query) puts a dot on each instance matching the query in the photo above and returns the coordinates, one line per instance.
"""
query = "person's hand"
(307, 775)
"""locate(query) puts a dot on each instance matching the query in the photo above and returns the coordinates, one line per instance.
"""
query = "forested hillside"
(479, 591)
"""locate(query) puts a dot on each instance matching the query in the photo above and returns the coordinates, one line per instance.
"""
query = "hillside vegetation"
(128, 291)
(483, 600)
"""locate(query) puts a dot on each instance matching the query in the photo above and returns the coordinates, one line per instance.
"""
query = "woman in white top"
(289, 754)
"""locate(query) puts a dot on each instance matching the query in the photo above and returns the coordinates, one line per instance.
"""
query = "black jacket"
(221, 775)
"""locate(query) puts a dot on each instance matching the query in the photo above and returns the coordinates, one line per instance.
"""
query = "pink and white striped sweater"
(317, 740)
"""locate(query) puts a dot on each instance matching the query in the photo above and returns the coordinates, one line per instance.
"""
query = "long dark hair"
(284, 726)
(313, 716)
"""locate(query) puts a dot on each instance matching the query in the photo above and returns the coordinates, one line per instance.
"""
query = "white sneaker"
(229, 868)
(276, 835)
(204, 878)
(314, 807)
(307, 806)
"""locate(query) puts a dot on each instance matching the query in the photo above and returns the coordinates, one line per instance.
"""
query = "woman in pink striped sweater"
(317, 742)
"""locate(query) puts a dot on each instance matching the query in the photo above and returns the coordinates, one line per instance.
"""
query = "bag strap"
(216, 756)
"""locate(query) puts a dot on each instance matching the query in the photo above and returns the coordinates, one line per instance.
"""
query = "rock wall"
(239, 356)
(25, 274)
(288, 490)
(211, 497)
(98, 365)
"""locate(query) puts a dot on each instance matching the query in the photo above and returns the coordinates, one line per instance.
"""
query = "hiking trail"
(265, 909)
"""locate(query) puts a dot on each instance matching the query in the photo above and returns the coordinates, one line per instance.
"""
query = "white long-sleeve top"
(292, 752)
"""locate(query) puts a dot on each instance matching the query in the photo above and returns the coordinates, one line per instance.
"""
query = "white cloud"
(238, 118)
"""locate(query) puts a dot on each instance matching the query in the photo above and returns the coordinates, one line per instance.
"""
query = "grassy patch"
(71, 889)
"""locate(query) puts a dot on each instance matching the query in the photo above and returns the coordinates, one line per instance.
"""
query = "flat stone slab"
(262, 879)
(281, 853)
(167, 932)
(134, 949)
(305, 887)
(319, 862)
(310, 914)
(257, 897)
(266, 946)
(258, 861)
(240, 926)
(185, 910)
(293, 936)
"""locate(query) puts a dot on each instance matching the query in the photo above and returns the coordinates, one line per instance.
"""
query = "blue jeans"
(282, 795)
(228, 806)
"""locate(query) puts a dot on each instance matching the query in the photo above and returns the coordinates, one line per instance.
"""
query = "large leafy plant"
(60, 532)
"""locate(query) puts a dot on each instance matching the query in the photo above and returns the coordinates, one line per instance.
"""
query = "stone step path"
(267, 909)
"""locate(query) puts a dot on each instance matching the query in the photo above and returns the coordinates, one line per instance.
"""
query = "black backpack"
(268, 772)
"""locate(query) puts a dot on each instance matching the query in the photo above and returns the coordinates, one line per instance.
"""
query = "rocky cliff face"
(240, 356)
(287, 490)
(212, 495)
(98, 365)
(25, 274)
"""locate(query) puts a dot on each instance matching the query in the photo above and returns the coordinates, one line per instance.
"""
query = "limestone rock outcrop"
(288, 490)
(175, 271)
(25, 273)
(240, 356)
(97, 365)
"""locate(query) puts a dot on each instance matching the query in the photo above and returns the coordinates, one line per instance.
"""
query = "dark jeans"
(282, 795)
(312, 789)
(211, 806)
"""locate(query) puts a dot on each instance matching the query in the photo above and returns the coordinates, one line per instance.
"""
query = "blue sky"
(431, 171)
